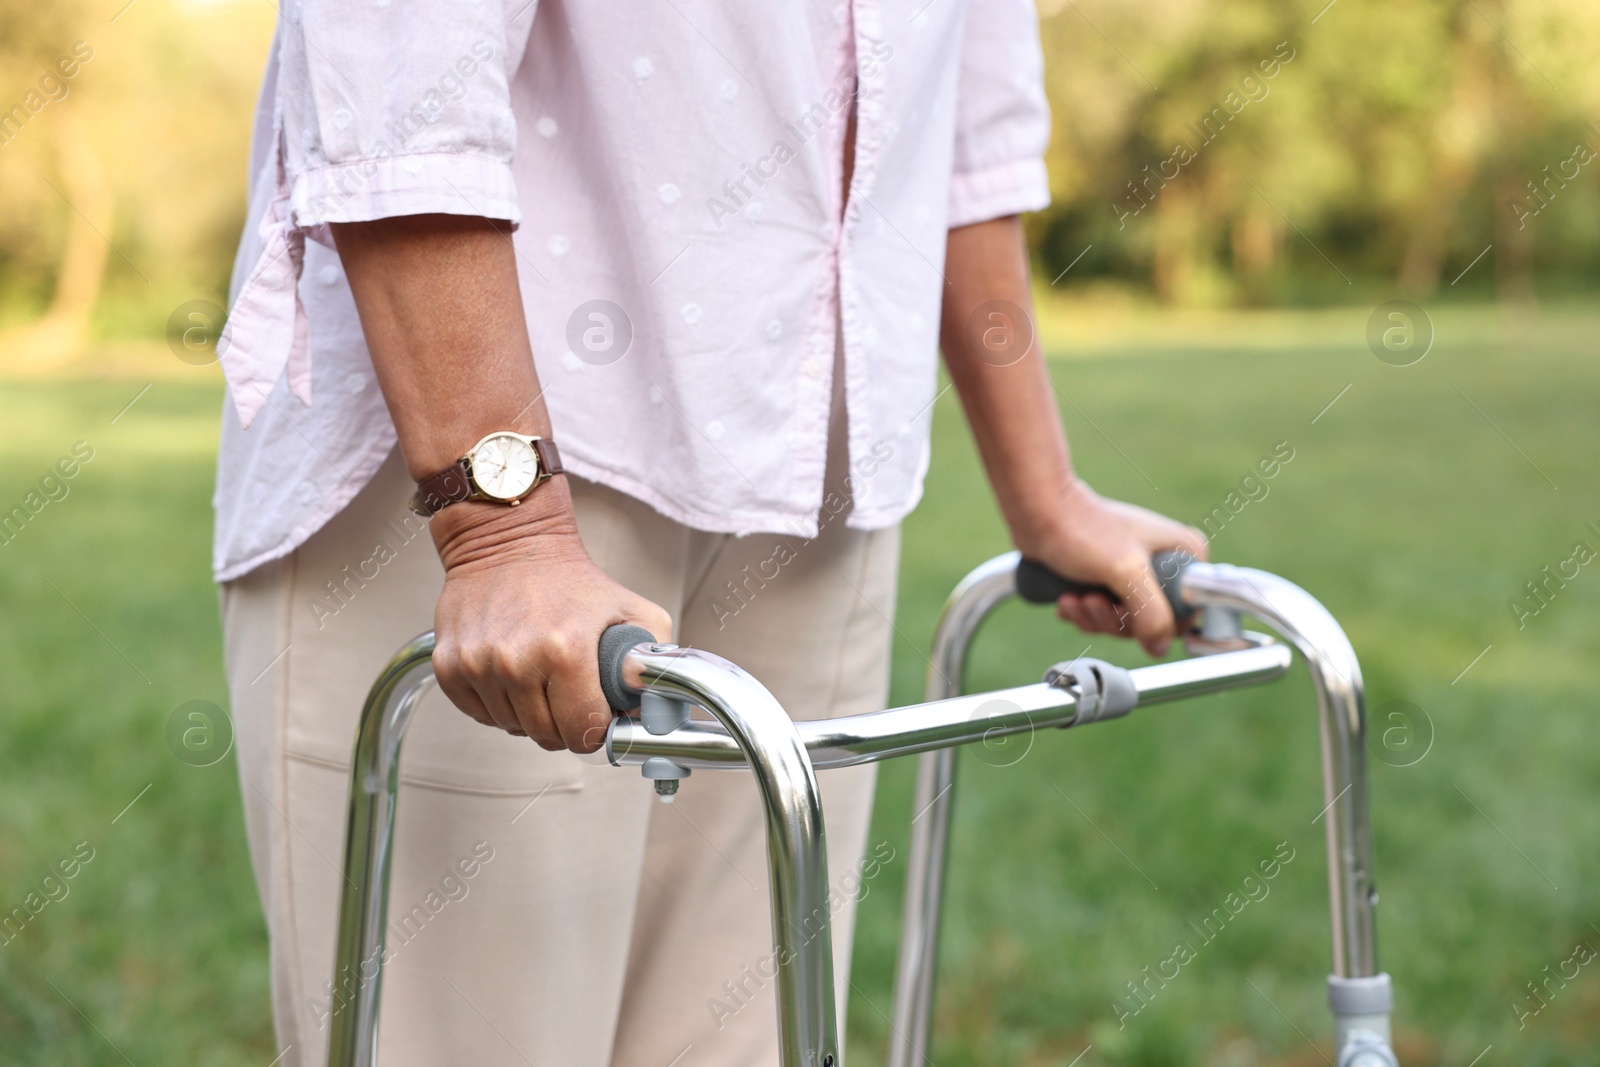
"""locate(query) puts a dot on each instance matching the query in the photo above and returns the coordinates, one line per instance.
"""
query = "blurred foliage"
(1328, 153)
(1405, 510)
(125, 191)
(1394, 146)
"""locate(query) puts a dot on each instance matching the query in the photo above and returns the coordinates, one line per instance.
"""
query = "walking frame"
(752, 732)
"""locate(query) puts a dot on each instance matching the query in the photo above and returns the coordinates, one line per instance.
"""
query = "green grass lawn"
(1415, 507)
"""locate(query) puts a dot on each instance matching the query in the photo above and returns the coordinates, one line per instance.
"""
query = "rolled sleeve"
(376, 111)
(413, 184)
(1002, 116)
(398, 110)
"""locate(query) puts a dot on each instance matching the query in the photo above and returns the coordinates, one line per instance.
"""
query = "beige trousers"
(545, 909)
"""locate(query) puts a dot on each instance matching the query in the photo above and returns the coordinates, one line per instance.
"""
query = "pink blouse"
(673, 172)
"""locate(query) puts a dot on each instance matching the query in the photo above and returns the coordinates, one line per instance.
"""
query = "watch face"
(504, 467)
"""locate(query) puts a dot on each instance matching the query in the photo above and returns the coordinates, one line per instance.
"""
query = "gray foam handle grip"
(1038, 584)
(614, 645)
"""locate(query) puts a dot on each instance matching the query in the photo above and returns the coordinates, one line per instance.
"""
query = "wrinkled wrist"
(476, 533)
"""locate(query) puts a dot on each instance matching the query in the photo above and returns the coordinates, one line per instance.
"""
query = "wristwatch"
(504, 467)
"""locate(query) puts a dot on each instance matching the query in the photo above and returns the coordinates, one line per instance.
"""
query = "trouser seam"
(850, 618)
(285, 837)
(687, 600)
(417, 781)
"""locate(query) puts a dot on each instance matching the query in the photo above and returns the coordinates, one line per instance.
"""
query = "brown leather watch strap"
(549, 459)
(454, 484)
(450, 486)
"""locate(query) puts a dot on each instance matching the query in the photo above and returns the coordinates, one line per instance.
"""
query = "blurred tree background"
(124, 183)
(1206, 153)
(1210, 159)
(1398, 142)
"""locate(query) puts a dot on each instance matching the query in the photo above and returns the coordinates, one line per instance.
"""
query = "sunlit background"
(1205, 155)
(1243, 191)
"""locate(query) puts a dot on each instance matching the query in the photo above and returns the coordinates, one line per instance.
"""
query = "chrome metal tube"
(1336, 677)
(753, 731)
(944, 724)
(1341, 701)
(911, 1022)
(755, 722)
(368, 851)
(797, 859)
